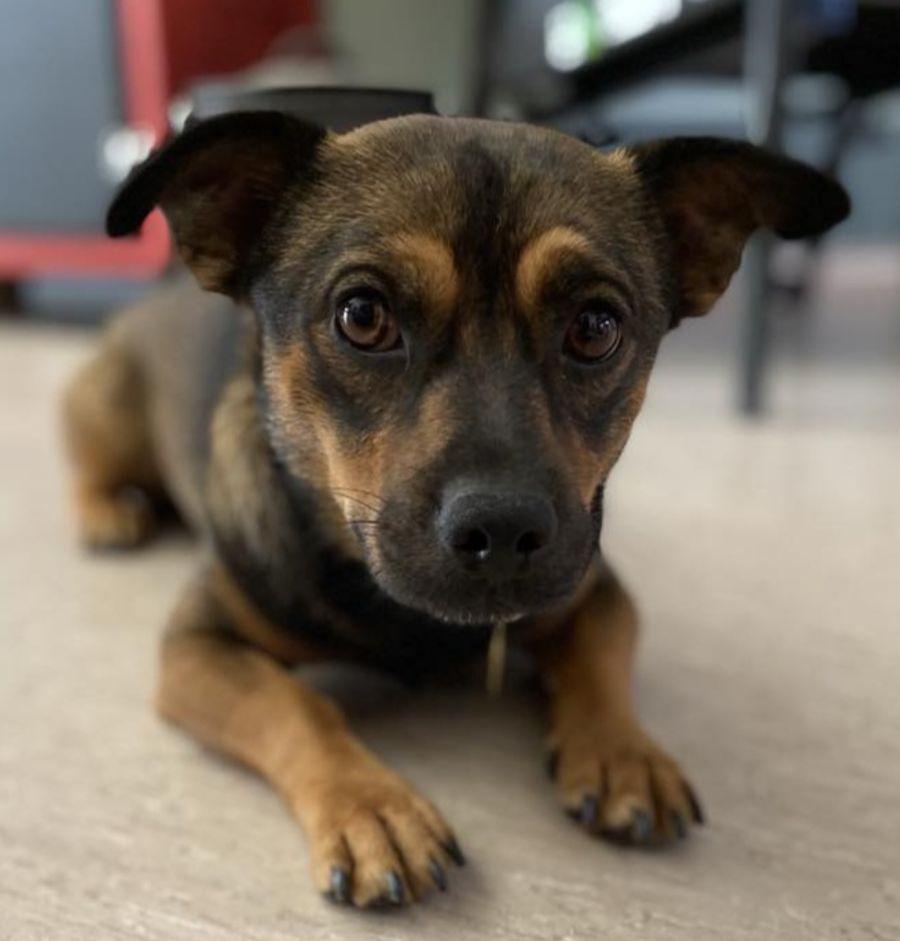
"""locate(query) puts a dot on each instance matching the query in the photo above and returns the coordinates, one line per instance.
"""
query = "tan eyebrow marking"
(538, 257)
(435, 268)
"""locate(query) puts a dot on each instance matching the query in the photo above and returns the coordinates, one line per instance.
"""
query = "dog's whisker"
(357, 502)
(349, 491)
(370, 493)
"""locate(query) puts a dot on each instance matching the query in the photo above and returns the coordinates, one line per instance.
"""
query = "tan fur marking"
(589, 468)
(434, 268)
(353, 471)
(286, 377)
(538, 259)
(351, 477)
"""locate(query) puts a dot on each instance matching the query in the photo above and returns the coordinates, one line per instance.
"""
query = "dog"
(391, 416)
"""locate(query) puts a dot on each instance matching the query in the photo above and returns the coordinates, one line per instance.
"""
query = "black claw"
(641, 826)
(454, 852)
(438, 875)
(696, 807)
(339, 890)
(552, 763)
(679, 825)
(395, 891)
(589, 811)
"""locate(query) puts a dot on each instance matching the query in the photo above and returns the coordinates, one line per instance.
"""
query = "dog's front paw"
(617, 782)
(375, 841)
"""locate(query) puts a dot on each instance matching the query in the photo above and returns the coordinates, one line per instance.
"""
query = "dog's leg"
(373, 838)
(108, 438)
(609, 773)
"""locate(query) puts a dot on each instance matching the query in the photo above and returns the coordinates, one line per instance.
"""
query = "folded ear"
(218, 184)
(712, 194)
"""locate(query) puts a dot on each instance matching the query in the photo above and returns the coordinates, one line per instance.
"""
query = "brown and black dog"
(395, 431)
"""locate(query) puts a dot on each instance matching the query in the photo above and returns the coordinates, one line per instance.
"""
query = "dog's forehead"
(464, 178)
(464, 201)
(428, 136)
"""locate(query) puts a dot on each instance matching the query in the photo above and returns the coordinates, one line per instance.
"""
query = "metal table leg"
(765, 67)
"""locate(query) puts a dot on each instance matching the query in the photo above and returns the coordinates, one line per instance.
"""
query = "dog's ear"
(713, 194)
(218, 183)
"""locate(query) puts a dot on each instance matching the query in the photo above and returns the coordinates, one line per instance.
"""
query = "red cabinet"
(158, 48)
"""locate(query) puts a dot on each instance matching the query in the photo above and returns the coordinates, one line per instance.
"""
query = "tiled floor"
(766, 557)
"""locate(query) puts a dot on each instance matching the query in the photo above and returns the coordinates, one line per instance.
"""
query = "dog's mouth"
(494, 604)
(458, 597)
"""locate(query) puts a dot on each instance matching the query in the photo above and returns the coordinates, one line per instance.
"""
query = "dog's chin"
(476, 605)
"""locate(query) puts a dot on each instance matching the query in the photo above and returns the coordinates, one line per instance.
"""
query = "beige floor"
(767, 561)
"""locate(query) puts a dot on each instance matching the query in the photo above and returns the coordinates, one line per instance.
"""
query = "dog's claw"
(439, 877)
(395, 893)
(589, 811)
(552, 763)
(696, 806)
(454, 852)
(339, 891)
(641, 826)
(679, 826)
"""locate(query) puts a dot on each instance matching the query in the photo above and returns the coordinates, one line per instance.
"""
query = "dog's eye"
(365, 321)
(594, 335)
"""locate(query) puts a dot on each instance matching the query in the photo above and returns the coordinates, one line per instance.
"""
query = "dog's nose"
(497, 534)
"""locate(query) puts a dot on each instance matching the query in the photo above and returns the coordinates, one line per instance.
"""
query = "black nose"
(497, 534)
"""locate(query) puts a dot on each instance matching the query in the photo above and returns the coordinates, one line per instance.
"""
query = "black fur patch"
(410, 645)
(478, 246)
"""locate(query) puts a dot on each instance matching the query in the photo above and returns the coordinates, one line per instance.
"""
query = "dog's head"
(458, 318)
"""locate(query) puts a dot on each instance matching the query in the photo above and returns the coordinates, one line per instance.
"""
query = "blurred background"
(87, 89)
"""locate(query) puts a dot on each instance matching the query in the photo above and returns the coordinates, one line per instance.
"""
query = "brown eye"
(594, 335)
(365, 321)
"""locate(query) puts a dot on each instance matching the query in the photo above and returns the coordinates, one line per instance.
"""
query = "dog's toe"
(377, 864)
(339, 886)
(121, 521)
(616, 782)
(385, 846)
